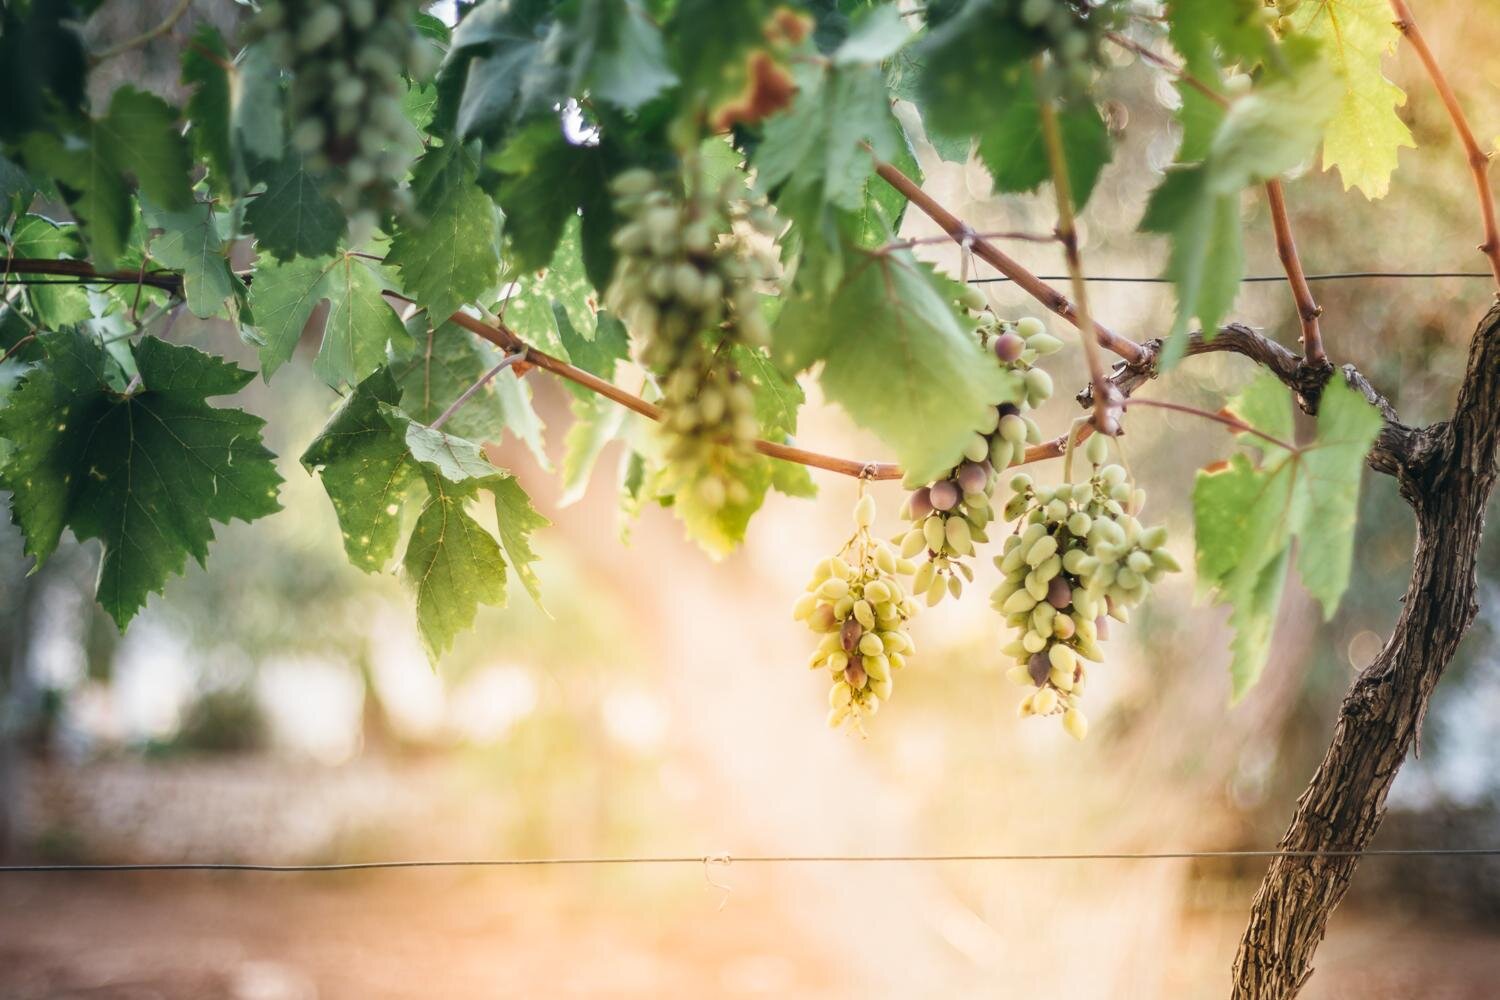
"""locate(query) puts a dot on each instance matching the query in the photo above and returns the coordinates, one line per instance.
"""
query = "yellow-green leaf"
(1365, 132)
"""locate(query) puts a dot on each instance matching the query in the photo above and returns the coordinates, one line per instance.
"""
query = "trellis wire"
(729, 859)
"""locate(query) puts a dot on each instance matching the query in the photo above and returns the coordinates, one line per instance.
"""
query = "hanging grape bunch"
(1081, 559)
(949, 516)
(1073, 33)
(346, 61)
(686, 283)
(856, 602)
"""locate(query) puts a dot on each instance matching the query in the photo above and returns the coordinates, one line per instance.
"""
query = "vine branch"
(1479, 160)
(961, 232)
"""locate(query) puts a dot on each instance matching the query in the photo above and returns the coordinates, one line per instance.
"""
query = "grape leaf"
(709, 41)
(191, 243)
(366, 471)
(43, 65)
(1012, 147)
(255, 105)
(1236, 28)
(516, 519)
(447, 361)
(52, 306)
(1365, 132)
(293, 217)
(532, 295)
(594, 426)
(89, 159)
(373, 458)
(145, 472)
(205, 67)
(502, 68)
(1247, 514)
(360, 325)
(451, 255)
(542, 179)
(617, 53)
(967, 58)
(778, 397)
(453, 564)
(816, 154)
(1263, 135)
(898, 357)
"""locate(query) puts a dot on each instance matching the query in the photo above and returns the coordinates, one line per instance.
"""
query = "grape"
(347, 63)
(1008, 347)
(949, 516)
(855, 601)
(686, 283)
(944, 495)
(1078, 560)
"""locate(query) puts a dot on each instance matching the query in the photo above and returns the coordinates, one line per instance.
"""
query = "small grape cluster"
(950, 515)
(686, 283)
(857, 603)
(347, 60)
(1081, 559)
(1073, 32)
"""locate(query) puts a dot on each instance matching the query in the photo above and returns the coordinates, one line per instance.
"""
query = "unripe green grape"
(1030, 326)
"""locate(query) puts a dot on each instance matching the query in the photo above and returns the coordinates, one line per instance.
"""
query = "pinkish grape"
(972, 477)
(921, 504)
(1059, 594)
(1008, 347)
(944, 495)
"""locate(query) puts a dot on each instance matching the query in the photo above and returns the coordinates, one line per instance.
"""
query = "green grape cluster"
(347, 60)
(857, 603)
(687, 283)
(1080, 559)
(949, 516)
(1073, 33)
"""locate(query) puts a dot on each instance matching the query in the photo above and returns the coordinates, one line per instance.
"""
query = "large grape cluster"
(347, 60)
(687, 284)
(1073, 32)
(857, 603)
(1081, 559)
(950, 515)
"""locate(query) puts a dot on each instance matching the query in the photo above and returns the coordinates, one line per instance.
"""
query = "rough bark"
(1447, 473)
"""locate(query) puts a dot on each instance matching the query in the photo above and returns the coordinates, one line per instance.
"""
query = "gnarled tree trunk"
(1447, 473)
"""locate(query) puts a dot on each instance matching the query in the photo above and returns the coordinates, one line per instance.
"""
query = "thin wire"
(1256, 278)
(698, 859)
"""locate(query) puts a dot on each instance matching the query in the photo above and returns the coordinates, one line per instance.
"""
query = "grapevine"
(1081, 559)
(855, 601)
(347, 62)
(950, 515)
(687, 285)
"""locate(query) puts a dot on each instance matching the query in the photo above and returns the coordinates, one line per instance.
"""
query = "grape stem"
(1479, 160)
(1223, 417)
(1106, 397)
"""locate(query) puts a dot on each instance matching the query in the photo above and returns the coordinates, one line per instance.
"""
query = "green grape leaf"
(1012, 147)
(516, 519)
(206, 63)
(292, 217)
(898, 357)
(618, 53)
(139, 137)
(594, 426)
(453, 564)
(447, 361)
(778, 397)
(95, 192)
(1247, 514)
(529, 308)
(542, 179)
(52, 306)
(145, 472)
(452, 255)
(709, 42)
(503, 67)
(815, 156)
(967, 58)
(598, 354)
(366, 471)
(876, 36)
(360, 328)
(191, 243)
(1236, 28)
(255, 105)
(1263, 135)
(1365, 132)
